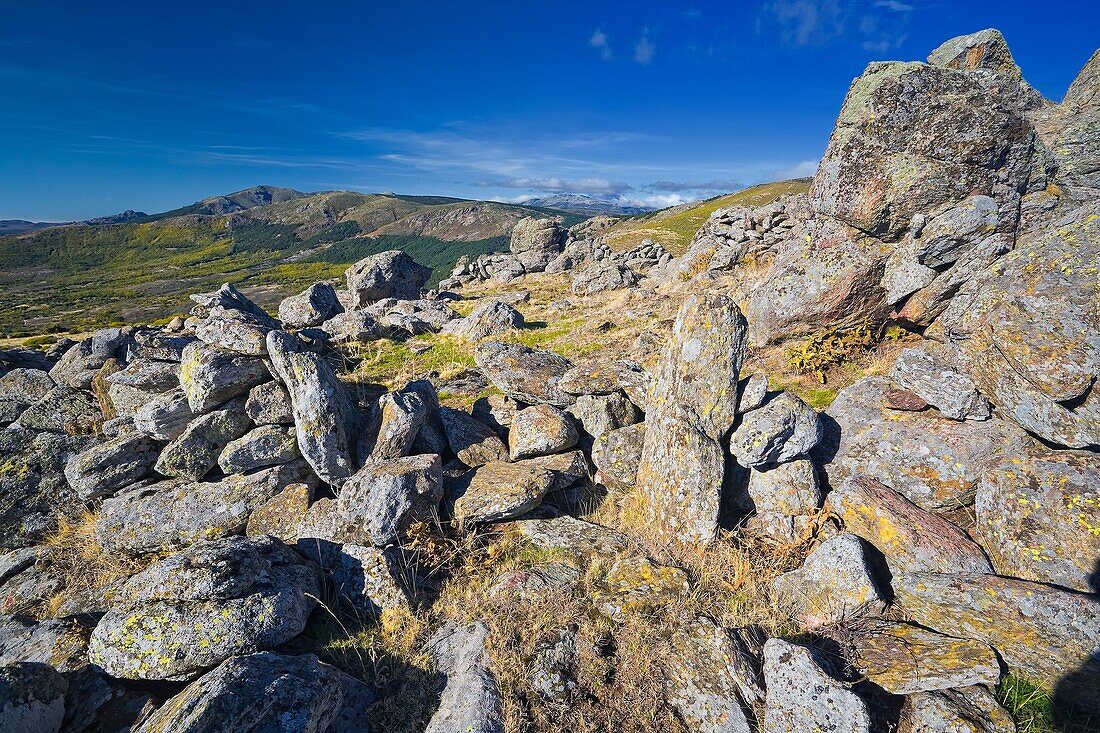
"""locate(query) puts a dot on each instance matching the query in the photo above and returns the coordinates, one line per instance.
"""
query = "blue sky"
(106, 106)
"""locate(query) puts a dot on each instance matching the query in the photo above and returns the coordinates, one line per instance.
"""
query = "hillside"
(276, 240)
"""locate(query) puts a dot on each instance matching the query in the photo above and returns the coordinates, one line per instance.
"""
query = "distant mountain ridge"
(585, 204)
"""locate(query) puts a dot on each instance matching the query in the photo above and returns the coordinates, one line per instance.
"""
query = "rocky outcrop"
(390, 274)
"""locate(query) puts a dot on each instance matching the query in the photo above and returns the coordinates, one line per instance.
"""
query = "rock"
(25, 386)
(563, 533)
(540, 430)
(193, 610)
(634, 381)
(282, 515)
(470, 702)
(567, 468)
(553, 665)
(834, 583)
(165, 416)
(196, 450)
(472, 441)
(637, 585)
(491, 318)
(1029, 335)
(934, 462)
(33, 488)
(210, 375)
(269, 404)
(602, 276)
(161, 345)
(97, 703)
(147, 375)
(412, 317)
(711, 677)
(30, 587)
(32, 698)
(802, 696)
(926, 372)
(535, 242)
(501, 490)
(397, 420)
(431, 437)
(751, 392)
(969, 710)
(617, 454)
(599, 414)
(60, 643)
(693, 405)
(385, 497)
(1046, 635)
(63, 410)
(1038, 516)
(267, 692)
(591, 378)
(786, 496)
(356, 326)
(267, 445)
(229, 298)
(904, 400)
(174, 513)
(911, 137)
(525, 374)
(109, 466)
(1069, 132)
(392, 274)
(325, 418)
(236, 330)
(783, 429)
(78, 365)
(365, 579)
(911, 538)
(312, 307)
(904, 659)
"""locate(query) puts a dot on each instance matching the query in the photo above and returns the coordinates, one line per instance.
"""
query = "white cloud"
(597, 186)
(807, 22)
(656, 201)
(644, 49)
(895, 5)
(803, 169)
(599, 41)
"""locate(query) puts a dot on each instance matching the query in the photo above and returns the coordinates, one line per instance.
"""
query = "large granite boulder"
(525, 374)
(535, 242)
(470, 702)
(193, 610)
(312, 307)
(780, 431)
(540, 430)
(385, 497)
(196, 450)
(803, 696)
(211, 375)
(325, 418)
(501, 490)
(491, 318)
(111, 465)
(692, 407)
(391, 274)
(472, 441)
(267, 692)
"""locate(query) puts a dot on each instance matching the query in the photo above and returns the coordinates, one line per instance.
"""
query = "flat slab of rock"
(109, 466)
(1047, 635)
(802, 696)
(903, 659)
(473, 442)
(210, 375)
(500, 490)
(471, 698)
(193, 610)
(910, 538)
(928, 373)
(25, 386)
(385, 497)
(637, 585)
(525, 374)
(835, 582)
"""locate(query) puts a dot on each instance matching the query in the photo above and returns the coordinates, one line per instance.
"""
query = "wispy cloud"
(807, 22)
(804, 169)
(599, 42)
(592, 186)
(895, 5)
(644, 49)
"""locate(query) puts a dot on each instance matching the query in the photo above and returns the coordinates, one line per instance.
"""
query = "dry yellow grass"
(79, 560)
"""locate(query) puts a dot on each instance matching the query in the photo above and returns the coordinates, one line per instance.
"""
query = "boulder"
(282, 515)
(196, 450)
(266, 445)
(599, 414)
(229, 298)
(803, 696)
(693, 398)
(712, 677)
(602, 276)
(540, 430)
(1069, 132)
(501, 490)
(591, 378)
(210, 375)
(165, 416)
(366, 580)
(1038, 516)
(911, 538)
(553, 666)
(412, 317)
(491, 318)
(147, 375)
(786, 497)
(386, 496)
(927, 372)
(175, 514)
(325, 418)
(470, 702)
(236, 330)
(783, 429)
(269, 404)
(835, 583)
(63, 410)
(109, 466)
(904, 659)
(32, 698)
(267, 692)
(391, 274)
(933, 461)
(535, 242)
(25, 386)
(193, 610)
(617, 453)
(355, 326)
(525, 374)
(634, 380)
(60, 643)
(969, 710)
(1046, 635)
(311, 307)
(637, 585)
(396, 422)
(752, 391)
(472, 441)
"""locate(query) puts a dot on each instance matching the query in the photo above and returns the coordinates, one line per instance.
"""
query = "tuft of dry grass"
(86, 568)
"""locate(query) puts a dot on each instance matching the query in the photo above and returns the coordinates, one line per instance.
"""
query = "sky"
(107, 106)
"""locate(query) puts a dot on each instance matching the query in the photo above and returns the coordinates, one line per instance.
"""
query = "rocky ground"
(834, 468)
